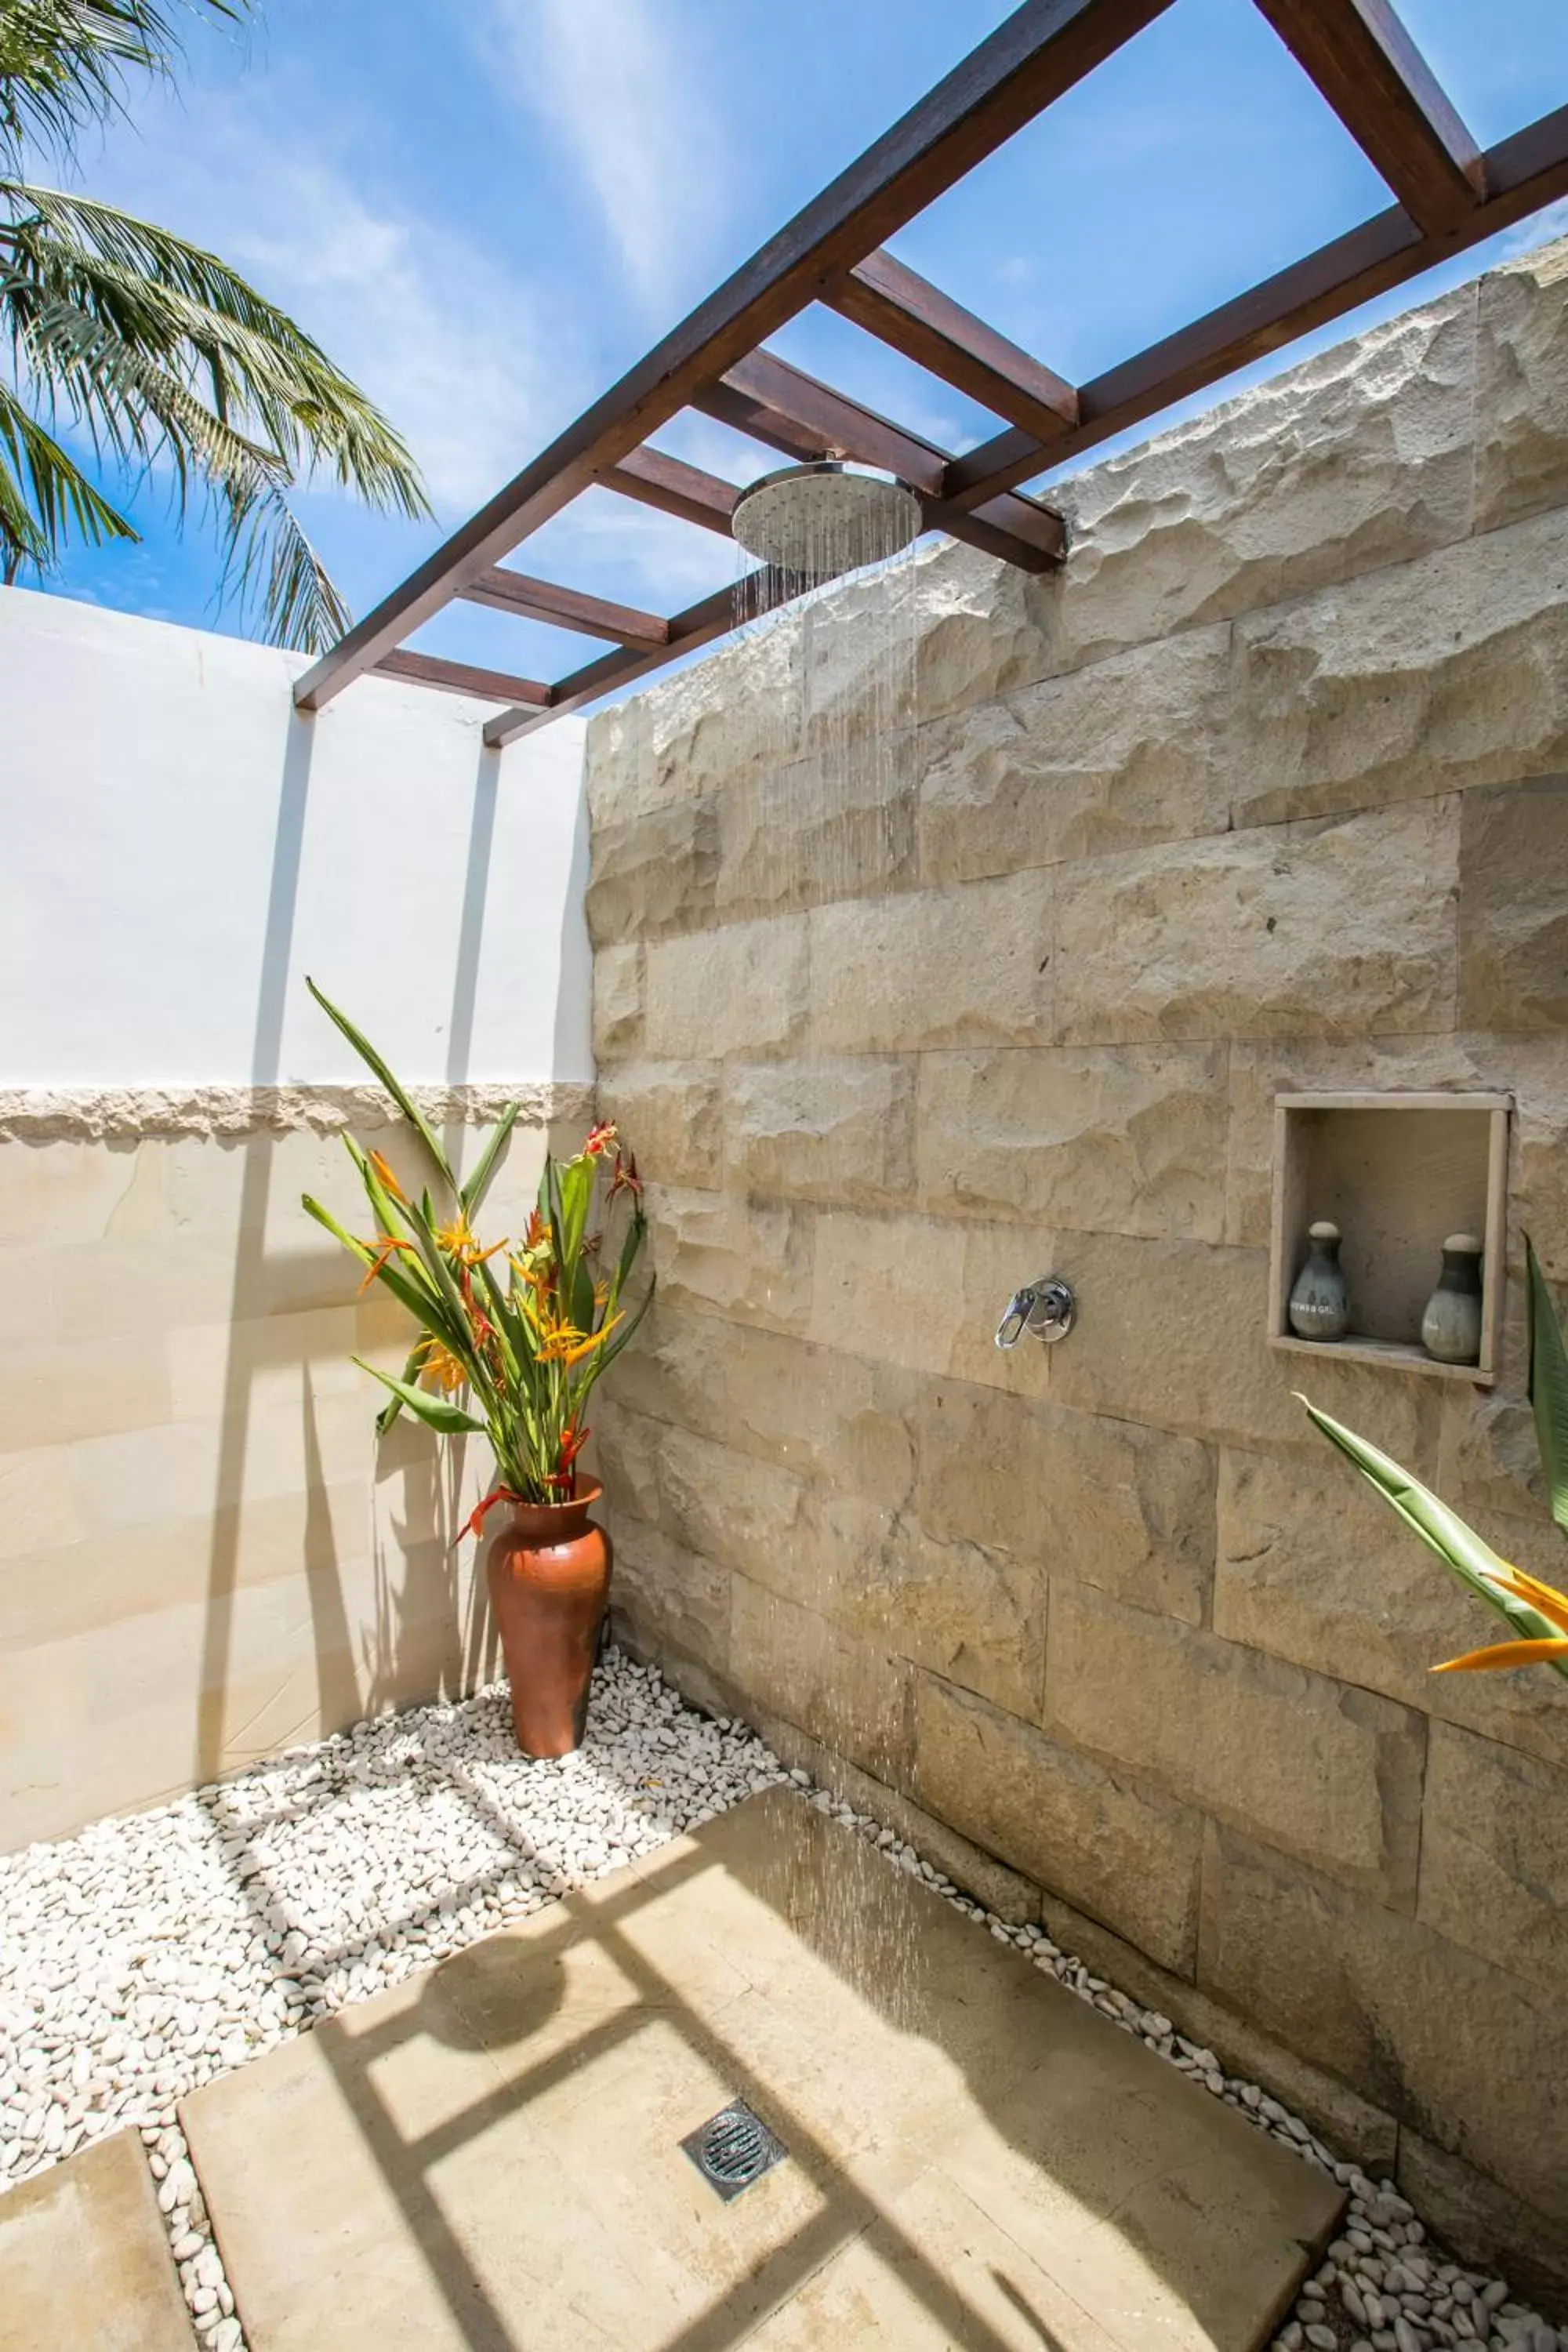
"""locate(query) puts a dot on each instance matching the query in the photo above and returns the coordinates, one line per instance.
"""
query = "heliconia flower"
(600, 1140)
(627, 1177)
(442, 1368)
(386, 1246)
(389, 1181)
(1551, 1604)
(573, 1440)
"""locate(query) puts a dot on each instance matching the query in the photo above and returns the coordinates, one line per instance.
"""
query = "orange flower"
(573, 1440)
(1551, 1604)
(389, 1181)
(386, 1246)
(441, 1369)
(563, 1343)
(599, 1140)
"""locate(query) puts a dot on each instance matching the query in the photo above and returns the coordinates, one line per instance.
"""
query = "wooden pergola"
(1449, 195)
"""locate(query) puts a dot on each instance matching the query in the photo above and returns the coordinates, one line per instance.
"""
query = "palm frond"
(44, 494)
(63, 63)
(159, 351)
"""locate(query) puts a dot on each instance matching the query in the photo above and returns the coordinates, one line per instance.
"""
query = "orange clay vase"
(549, 1575)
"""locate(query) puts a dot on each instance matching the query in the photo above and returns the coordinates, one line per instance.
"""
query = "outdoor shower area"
(1022, 1885)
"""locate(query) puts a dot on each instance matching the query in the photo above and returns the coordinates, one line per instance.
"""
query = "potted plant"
(513, 1337)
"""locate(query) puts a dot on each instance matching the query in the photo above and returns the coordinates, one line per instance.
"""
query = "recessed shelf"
(1397, 1173)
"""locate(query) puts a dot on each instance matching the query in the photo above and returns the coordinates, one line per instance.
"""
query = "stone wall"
(203, 1555)
(1265, 793)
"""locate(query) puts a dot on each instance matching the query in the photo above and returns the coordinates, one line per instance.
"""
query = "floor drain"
(733, 2148)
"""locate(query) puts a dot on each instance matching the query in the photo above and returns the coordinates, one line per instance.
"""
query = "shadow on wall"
(422, 1637)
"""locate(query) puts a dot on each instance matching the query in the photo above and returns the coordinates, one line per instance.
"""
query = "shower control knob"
(1045, 1308)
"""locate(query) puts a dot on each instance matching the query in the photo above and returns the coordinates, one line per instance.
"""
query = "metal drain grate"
(733, 2148)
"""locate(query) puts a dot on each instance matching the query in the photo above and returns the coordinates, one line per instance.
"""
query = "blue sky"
(487, 209)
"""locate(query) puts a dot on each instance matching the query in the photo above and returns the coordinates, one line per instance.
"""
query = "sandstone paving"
(84, 2259)
(489, 2155)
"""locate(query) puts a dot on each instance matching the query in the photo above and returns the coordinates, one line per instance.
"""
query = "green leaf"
(436, 1412)
(1548, 1385)
(390, 1410)
(1470, 1557)
(380, 1069)
(477, 1185)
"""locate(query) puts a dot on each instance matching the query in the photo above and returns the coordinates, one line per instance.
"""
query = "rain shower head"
(826, 517)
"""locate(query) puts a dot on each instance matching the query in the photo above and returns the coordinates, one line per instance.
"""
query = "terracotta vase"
(549, 1576)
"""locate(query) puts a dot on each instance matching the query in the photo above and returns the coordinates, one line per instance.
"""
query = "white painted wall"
(179, 846)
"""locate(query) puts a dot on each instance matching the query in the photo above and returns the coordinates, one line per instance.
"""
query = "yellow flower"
(1551, 1604)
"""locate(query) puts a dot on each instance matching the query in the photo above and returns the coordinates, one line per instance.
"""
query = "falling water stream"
(823, 816)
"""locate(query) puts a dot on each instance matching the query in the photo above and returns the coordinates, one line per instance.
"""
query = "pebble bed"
(150, 1954)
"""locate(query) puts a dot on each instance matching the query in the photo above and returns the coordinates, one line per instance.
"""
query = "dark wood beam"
(1391, 102)
(1524, 173)
(462, 678)
(779, 404)
(714, 616)
(565, 608)
(917, 318)
(674, 487)
(1042, 49)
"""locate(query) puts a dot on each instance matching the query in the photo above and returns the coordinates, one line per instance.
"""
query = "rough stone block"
(671, 1602)
(1098, 1139)
(1472, 2056)
(956, 967)
(668, 1115)
(828, 827)
(837, 1132)
(1129, 751)
(971, 1613)
(1128, 1509)
(890, 1287)
(731, 1256)
(1417, 680)
(1349, 2124)
(1494, 1855)
(739, 990)
(1486, 2224)
(845, 1692)
(1513, 908)
(1171, 1333)
(1330, 930)
(1260, 1069)
(1522, 387)
(690, 734)
(1126, 1855)
(829, 1415)
(1329, 1773)
(1360, 457)
(654, 872)
(1311, 1566)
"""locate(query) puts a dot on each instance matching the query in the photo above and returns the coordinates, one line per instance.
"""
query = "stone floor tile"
(84, 2258)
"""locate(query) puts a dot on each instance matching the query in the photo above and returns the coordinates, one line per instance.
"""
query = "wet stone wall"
(961, 926)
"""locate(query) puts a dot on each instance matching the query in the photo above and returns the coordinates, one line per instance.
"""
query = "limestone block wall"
(963, 926)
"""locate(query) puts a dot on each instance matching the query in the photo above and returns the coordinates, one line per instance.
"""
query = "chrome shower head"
(826, 517)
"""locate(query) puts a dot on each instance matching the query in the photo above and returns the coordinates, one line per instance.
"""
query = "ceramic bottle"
(1451, 1324)
(1320, 1303)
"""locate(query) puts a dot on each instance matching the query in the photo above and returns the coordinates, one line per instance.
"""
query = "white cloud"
(612, 80)
(472, 365)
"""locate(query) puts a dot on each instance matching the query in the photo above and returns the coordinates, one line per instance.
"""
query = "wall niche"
(1396, 1173)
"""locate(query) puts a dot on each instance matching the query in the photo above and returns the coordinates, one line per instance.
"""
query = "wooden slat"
(781, 406)
(917, 318)
(714, 616)
(1524, 173)
(776, 402)
(1044, 48)
(667, 483)
(565, 608)
(1384, 91)
(462, 678)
